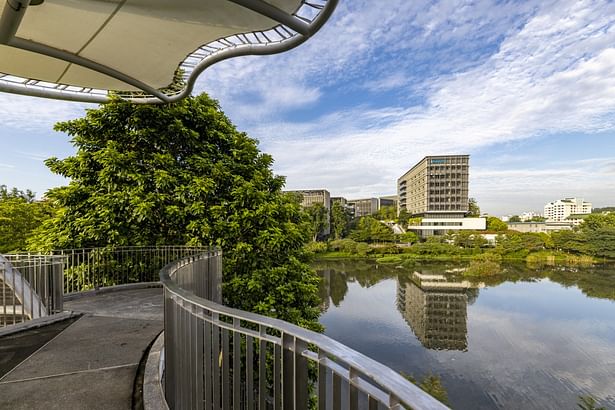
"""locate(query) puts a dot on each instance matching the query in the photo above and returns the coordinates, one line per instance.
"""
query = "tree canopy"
(319, 219)
(20, 215)
(182, 173)
(339, 220)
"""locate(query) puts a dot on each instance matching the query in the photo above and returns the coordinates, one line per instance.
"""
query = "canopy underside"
(81, 49)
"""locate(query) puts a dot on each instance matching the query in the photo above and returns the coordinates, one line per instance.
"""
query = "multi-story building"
(437, 186)
(311, 197)
(435, 309)
(560, 210)
(388, 200)
(364, 207)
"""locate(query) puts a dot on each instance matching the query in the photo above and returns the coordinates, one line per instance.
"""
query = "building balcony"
(103, 328)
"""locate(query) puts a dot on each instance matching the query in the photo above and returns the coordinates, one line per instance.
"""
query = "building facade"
(437, 186)
(560, 210)
(364, 207)
(389, 200)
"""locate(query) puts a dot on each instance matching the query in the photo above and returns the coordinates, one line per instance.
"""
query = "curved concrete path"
(92, 363)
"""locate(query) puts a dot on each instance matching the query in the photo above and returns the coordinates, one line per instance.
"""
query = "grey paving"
(92, 363)
(102, 389)
(133, 304)
(92, 342)
(15, 348)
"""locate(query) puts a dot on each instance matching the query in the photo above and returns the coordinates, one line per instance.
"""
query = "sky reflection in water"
(529, 344)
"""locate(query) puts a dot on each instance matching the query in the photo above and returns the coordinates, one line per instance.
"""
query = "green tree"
(339, 220)
(370, 229)
(403, 217)
(468, 239)
(496, 224)
(514, 218)
(473, 208)
(181, 173)
(318, 218)
(408, 237)
(570, 241)
(594, 222)
(387, 213)
(20, 215)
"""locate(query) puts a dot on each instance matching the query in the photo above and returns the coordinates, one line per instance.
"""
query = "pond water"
(530, 338)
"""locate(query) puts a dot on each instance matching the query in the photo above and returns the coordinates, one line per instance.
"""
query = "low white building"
(537, 227)
(560, 210)
(441, 226)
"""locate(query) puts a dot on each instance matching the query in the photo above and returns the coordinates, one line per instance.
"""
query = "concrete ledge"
(153, 394)
(36, 323)
(109, 289)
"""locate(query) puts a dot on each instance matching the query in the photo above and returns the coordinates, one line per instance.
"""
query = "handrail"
(31, 287)
(292, 348)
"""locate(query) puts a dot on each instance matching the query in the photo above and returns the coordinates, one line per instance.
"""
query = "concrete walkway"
(92, 363)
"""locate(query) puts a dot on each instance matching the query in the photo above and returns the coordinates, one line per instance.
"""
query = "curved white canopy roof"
(82, 49)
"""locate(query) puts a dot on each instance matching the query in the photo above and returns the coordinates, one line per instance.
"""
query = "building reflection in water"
(436, 309)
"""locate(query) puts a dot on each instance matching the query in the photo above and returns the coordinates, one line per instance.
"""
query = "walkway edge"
(109, 289)
(153, 394)
(36, 323)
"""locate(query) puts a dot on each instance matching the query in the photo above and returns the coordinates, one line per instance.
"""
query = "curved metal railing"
(30, 287)
(218, 357)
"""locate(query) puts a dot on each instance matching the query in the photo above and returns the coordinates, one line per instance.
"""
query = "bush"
(486, 264)
(316, 247)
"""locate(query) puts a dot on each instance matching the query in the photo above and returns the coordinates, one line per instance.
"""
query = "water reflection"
(436, 309)
(536, 337)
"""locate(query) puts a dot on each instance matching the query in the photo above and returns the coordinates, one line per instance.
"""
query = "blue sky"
(526, 88)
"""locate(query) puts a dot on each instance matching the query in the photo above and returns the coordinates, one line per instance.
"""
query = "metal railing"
(30, 287)
(217, 357)
(94, 268)
(33, 286)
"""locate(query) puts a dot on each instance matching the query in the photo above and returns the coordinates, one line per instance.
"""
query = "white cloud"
(556, 74)
(29, 113)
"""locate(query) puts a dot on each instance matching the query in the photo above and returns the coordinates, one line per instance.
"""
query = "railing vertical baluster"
(226, 377)
(215, 344)
(322, 380)
(301, 376)
(236, 365)
(277, 377)
(372, 403)
(288, 372)
(208, 366)
(169, 350)
(189, 365)
(353, 393)
(262, 371)
(199, 359)
(337, 392)
(250, 372)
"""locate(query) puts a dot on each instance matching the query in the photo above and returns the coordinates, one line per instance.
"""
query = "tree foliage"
(181, 173)
(20, 215)
(496, 224)
(319, 219)
(403, 217)
(369, 229)
(339, 220)
(473, 208)
(387, 213)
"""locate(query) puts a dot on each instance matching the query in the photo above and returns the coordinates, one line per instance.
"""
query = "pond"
(533, 337)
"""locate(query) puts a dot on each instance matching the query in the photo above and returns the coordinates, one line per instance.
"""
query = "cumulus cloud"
(28, 113)
(554, 73)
